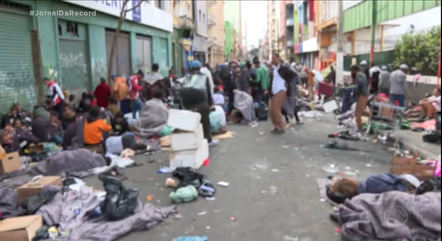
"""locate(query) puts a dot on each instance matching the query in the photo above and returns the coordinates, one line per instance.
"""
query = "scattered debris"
(223, 184)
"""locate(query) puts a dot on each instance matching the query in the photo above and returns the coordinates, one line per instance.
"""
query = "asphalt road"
(273, 193)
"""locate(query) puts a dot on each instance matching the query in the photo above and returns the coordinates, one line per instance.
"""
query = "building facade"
(183, 23)
(273, 26)
(73, 49)
(201, 33)
(393, 19)
(232, 23)
(305, 33)
(216, 33)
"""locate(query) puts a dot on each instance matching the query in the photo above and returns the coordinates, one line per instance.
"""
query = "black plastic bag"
(119, 201)
(432, 185)
(188, 176)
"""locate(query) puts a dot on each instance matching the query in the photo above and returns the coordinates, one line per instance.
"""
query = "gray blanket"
(244, 103)
(78, 163)
(392, 216)
(153, 118)
(68, 210)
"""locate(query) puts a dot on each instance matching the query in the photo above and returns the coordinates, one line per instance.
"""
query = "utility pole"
(340, 54)
(373, 32)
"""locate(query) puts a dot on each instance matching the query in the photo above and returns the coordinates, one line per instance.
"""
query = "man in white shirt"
(278, 90)
(154, 76)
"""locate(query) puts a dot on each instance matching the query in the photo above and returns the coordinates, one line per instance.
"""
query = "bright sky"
(254, 14)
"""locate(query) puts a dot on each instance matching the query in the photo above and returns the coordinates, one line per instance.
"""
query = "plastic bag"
(119, 201)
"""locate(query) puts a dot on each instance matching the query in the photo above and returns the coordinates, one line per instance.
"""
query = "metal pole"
(373, 32)
(340, 53)
(438, 69)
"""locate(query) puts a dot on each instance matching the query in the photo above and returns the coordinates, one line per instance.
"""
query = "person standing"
(384, 80)
(120, 89)
(362, 93)
(102, 93)
(56, 96)
(261, 83)
(310, 83)
(153, 82)
(197, 97)
(134, 92)
(398, 88)
(278, 95)
(208, 72)
(228, 84)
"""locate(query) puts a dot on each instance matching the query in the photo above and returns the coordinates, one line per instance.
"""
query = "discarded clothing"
(339, 146)
(69, 210)
(191, 239)
(391, 216)
(184, 194)
(427, 125)
(33, 203)
(8, 203)
(345, 135)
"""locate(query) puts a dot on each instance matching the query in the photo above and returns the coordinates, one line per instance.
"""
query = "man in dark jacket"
(196, 96)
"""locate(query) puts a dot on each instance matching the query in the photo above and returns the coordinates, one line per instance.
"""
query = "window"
(72, 28)
(60, 30)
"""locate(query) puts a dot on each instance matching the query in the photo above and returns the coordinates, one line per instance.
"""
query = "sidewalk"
(413, 140)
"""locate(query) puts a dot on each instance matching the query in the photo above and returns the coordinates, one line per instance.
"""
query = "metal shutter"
(16, 66)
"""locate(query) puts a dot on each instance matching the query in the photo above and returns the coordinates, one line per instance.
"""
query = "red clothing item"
(103, 93)
(134, 92)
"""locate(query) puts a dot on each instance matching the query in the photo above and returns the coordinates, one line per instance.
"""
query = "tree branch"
(138, 4)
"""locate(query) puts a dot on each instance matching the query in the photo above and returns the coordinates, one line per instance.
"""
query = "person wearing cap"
(384, 80)
(363, 66)
(362, 93)
(197, 96)
(56, 96)
(398, 88)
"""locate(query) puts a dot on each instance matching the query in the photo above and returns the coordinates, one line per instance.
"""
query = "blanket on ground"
(69, 209)
(153, 118)
(392, 216)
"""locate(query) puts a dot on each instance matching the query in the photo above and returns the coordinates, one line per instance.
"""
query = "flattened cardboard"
(34, 187)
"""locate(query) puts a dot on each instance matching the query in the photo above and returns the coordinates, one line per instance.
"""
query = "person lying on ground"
(116, 144)
(347, 188)
(431, 105)
(94, 127)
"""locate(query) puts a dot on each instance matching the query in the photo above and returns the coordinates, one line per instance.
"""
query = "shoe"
(213, 143)
(277, 132)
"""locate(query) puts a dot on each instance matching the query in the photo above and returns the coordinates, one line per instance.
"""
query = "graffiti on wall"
(74, 73)
(99, 69)
(17, 86)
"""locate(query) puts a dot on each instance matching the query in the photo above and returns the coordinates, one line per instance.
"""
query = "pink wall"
(282, 18)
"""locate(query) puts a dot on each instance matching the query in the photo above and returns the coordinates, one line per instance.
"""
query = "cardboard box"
(20, 228)
(10, 163)
(182, 141)
(193, 158)
(184, 120)
(34, 187)
(409, 165)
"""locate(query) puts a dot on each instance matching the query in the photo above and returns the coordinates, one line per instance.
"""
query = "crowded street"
(220, 120)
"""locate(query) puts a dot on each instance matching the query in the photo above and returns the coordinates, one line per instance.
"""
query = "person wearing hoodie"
(102, 93)
(94, 127)
(134, 92)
